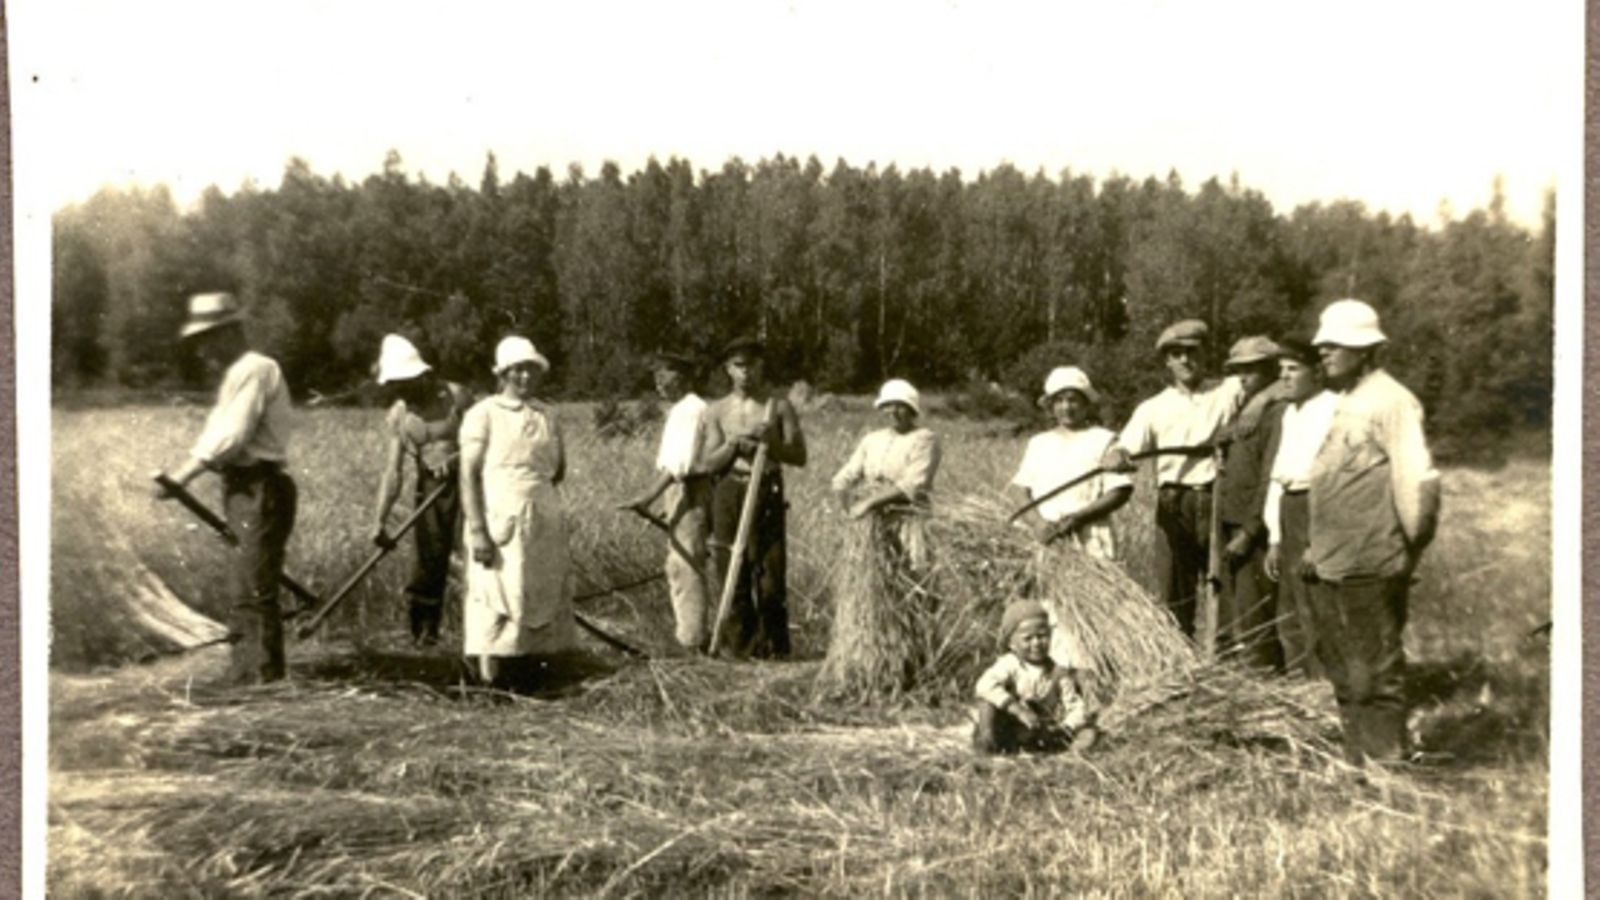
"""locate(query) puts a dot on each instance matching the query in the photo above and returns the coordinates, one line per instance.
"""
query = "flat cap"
(1187, 333)
(1253, 349)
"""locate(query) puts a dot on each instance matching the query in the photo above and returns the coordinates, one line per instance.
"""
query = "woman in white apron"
(520, 578)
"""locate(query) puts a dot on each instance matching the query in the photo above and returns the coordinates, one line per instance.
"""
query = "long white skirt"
(521, 604)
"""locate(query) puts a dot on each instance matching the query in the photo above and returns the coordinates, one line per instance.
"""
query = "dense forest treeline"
(852, 274)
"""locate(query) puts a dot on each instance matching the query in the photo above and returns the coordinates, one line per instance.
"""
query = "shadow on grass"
(1472, 711)
(545, 677)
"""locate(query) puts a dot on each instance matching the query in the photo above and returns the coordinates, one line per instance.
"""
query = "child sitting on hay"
(1029, 703)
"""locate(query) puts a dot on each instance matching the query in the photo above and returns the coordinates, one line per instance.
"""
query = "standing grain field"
(695, 776)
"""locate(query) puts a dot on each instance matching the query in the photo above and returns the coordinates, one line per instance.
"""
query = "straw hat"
(208, 311)
(516, 350)
(399, 360)
(898, 390)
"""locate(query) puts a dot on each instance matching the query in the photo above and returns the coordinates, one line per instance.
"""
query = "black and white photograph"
(798, 448)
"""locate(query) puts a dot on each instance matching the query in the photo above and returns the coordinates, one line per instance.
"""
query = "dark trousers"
(435, 534)
(1296, 631)
(1000, 732)
(758, 616)
(259, 503)
(1359, 624)
(1247, 607)
(1184, 517)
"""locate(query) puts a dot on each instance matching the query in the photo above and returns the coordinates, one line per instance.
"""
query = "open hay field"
(376, 771)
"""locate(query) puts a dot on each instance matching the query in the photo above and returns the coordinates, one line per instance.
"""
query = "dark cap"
(1298, 349)
(750, 346)
(682, 363)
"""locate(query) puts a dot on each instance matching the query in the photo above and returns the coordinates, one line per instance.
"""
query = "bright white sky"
(1400, 105)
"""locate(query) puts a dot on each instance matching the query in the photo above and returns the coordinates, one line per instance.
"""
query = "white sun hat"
(516, 350)
(898, 390)
(1068, 378)
(399, 360)
(1349, 323)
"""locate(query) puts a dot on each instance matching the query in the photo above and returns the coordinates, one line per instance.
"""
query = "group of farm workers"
(1325, 490)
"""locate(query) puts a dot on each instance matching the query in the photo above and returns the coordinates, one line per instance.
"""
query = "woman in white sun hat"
(421, 426)
(519, 577)
(1081, 515)
(891, 472)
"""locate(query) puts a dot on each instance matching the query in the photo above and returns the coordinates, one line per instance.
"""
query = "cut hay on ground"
(686, 776)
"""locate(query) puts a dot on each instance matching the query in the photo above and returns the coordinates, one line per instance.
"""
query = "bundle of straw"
(1105, 624)
(885, 618)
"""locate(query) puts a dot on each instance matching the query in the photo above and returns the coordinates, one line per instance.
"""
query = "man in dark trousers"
(1374, 507)
(1190, 412)
(245, 441)
(1301, 430)
(1246, 609)
(736, 425)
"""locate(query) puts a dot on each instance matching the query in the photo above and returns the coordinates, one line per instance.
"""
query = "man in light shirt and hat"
(1246, 604)
(1374, 507)
(1189, 413)
(682, 476)
(245, 441)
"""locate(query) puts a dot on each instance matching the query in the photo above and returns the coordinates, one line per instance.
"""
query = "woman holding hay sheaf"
(883, 623)
(519, 580)
(890, 474)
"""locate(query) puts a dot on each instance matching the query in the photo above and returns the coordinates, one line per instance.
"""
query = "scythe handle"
(217, 524)
(377, 556)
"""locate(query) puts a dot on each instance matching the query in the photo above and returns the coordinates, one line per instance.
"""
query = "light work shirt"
(1374, 489)
(683, 437)
(1057, 456)
(1178, 417)
(1049, 687)
(250, 421)
(908, 461)
(1300, 436)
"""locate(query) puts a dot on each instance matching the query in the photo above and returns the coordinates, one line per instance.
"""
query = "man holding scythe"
(245, 441)
(681, 476)
(1189, 413)
(737, 427)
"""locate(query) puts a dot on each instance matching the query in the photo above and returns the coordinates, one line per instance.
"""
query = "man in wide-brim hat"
(751, 415)
(245, 441)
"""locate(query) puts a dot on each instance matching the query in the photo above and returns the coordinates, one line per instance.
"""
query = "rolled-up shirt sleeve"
(1415, 482)
(1136, 436)
(241, 401)
(1271, 510)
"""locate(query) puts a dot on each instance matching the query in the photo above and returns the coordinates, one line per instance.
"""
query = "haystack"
(936, 643)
